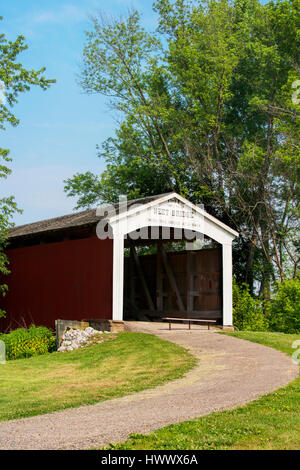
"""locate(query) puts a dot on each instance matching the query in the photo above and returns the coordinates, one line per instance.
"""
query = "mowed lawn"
(123, 364)
(271, 422)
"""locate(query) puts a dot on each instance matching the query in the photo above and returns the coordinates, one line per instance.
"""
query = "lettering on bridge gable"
(174, 214)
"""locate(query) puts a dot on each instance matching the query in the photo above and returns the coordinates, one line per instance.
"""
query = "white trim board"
(137, 208)
(139, 216)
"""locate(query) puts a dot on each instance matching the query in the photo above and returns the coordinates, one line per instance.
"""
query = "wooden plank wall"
(183, 284)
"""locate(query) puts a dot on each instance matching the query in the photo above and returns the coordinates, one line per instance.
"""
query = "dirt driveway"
(230, 372)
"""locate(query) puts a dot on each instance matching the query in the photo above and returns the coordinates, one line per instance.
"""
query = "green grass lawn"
(123, 364)
(271, 422)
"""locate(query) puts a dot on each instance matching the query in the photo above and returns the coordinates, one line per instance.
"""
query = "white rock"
(75, 339)
(89, 330)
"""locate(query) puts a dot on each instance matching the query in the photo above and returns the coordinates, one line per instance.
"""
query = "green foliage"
(281, 313)
(206, 110)
(248, 312)
(14, 79)
(7, 208)
(285, 307)
(29, 342)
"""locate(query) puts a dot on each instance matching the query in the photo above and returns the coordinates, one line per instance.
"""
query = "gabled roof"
(89, 217)
(76, 219)
(172, 196)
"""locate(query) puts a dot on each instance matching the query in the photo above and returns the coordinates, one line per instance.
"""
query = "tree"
(14, 79)
(207, 112)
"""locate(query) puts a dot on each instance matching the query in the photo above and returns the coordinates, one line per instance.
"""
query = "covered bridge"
(90, 265)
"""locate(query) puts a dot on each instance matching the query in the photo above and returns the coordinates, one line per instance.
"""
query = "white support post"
(227, 283)
(118, 276)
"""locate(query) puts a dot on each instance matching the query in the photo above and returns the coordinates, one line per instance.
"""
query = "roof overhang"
(171, 210)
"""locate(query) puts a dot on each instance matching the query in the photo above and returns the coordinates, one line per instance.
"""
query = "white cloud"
(2, 93)
(66, 13)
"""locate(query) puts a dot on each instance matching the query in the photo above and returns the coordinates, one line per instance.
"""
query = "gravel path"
(230, 372)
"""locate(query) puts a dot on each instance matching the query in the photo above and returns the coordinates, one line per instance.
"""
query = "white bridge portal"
(186, 219)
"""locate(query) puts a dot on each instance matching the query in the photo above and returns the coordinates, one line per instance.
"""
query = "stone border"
(100, 324)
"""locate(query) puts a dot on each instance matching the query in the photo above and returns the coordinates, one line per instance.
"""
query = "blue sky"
(59, 128)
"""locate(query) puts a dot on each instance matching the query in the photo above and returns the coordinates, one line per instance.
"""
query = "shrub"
(285, 307)
(28, 342)
(248, 312)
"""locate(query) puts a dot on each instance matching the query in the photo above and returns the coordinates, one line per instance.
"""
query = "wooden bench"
(189, 320)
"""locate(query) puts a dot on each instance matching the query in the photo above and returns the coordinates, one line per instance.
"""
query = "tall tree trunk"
(249, 265)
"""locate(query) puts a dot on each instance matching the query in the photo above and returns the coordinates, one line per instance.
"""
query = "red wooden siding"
(70, 280)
